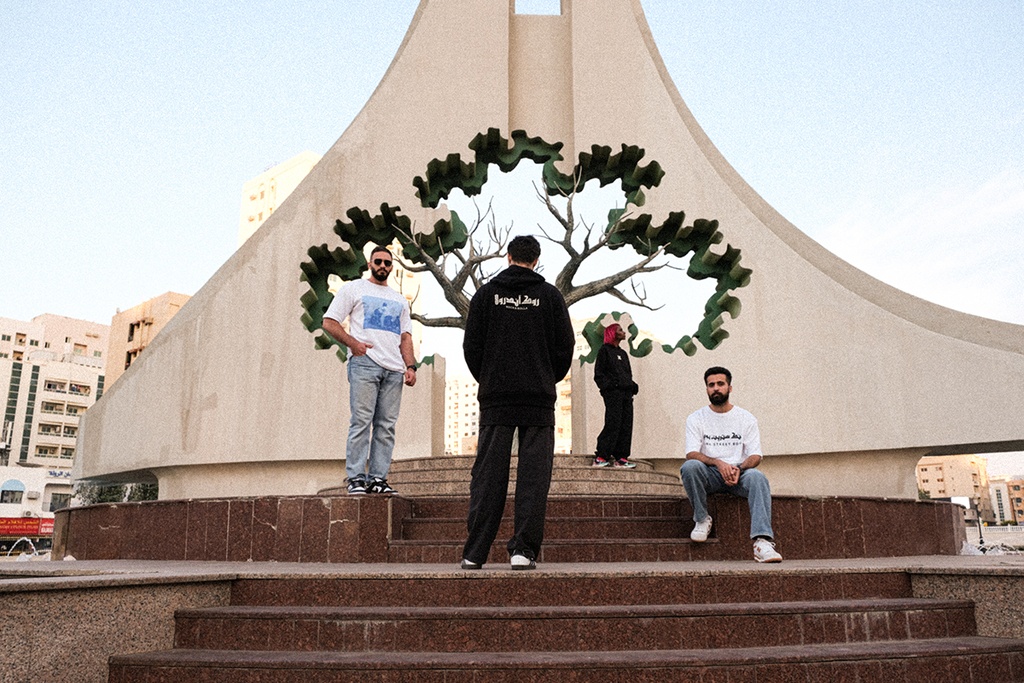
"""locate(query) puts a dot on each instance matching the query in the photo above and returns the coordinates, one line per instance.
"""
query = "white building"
(52, 370)
(1002, 503)
(461, 415)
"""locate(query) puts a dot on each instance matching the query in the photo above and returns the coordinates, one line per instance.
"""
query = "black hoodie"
(518, 345)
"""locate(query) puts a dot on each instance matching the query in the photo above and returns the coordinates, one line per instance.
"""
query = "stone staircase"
(763, 624)
(571, 475)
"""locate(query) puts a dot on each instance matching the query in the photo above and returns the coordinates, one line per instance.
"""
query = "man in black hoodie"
(518, 345)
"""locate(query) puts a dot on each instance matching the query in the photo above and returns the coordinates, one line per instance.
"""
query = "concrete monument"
(852, 380)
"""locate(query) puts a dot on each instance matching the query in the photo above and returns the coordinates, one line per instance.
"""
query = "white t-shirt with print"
(731, 437)
(376, 315)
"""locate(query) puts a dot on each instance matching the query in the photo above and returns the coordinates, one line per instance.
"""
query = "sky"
(891, 133)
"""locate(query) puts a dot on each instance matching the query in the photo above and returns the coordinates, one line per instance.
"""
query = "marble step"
(969, 659)
(603, 585)
(569, 627)
(572, 475)
(562, 528)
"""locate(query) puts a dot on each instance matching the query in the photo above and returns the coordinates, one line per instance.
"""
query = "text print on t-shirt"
(724, 439)
(517, 303)
(382, 314)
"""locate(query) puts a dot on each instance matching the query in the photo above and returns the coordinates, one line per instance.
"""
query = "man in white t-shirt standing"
(381, 358)
(723, 450)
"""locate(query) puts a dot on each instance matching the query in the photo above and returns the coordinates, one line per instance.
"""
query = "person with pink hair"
(614, 378)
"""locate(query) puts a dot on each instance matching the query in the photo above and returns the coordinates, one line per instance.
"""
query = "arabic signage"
(25, 526)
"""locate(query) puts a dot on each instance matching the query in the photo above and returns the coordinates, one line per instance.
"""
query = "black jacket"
(518, 345)
(612, 372)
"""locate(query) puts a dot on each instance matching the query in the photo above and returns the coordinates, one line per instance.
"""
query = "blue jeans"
(374, 397)
(699, 480)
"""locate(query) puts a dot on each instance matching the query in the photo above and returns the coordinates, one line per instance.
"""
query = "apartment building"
(52, 370)
(132, 330)
(461, 415)
(999, 494)
(957, 476)
(1015, 497)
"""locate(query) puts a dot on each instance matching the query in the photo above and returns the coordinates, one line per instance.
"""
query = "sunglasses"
(381, 262)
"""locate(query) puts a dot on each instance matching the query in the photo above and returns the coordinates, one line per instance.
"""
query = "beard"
(380, 274)
(719, 399)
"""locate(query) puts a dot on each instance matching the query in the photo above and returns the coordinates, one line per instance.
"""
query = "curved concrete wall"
(831, 360)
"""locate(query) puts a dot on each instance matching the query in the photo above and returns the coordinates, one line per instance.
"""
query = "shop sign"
(21, 526)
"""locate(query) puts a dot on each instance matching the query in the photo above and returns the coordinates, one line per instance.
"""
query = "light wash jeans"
(374, 397)
(699, 480)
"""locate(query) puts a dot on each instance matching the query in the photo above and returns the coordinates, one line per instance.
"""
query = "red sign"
(46, 527)
(21, 526)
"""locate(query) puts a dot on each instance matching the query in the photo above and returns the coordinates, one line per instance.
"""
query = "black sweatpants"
(489, 487)
(616, 439)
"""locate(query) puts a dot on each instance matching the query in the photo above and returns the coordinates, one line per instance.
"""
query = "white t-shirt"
(731, 437)
(376, 315)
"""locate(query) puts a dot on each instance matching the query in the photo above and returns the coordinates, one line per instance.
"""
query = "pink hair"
(609, 333)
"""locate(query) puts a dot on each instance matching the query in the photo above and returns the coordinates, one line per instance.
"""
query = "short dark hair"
(524, 249)
(380, 248)
(718, 370)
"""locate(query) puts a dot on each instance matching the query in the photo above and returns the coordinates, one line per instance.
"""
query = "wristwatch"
(411, 367)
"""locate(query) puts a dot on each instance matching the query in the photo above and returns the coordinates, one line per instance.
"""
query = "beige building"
(51, 373)
(957, 476)
(131, 331)
(1002, 503)
(1015, 498)
(262, 195)
(461, 415)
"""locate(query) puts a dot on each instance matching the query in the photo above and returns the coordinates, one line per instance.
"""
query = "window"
(5, 337)
(80, 389)
(67, 340)
(75, 410)
(67, 452)
(70, 430)
(10, 496)
(11, 491)
(59, 501)
(46, 345)
(33, 342)
(97, 354)
(5, 355)
(46, 451)
(53, 408)
(48, 429)
(54, 386)
(80, 349)
(19, 339)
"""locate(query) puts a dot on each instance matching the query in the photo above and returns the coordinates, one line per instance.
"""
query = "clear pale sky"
(892, 133)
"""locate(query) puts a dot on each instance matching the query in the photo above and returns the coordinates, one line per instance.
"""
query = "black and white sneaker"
(379, 485)
(356, 487)
(520, 562)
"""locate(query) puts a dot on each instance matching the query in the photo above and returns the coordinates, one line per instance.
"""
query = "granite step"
(968, 659)
(569, 627)
(604, 585)
(562, 528)
(572, 475)
(453, 507)
(566, 550)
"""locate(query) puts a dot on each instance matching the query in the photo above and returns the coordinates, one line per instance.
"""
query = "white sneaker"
(522, 562)
(701, 530)
(764, 551)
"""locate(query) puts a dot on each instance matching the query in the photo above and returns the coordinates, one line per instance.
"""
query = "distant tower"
(263, 194)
